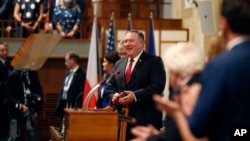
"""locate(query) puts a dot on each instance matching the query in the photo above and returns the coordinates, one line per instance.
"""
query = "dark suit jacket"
(74, 92)
(4, 71)
(4, 122)
(15, 90)
(224, 98)
(148, 77)
(172, 132)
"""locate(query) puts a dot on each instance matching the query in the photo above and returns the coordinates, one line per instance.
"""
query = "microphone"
(112, 75)
(108, 78)
(77, 100)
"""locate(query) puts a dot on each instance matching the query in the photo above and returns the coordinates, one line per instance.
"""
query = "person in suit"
(185, 63)
(5, 68)
(140, 76)
(108, 64)
(24, 94)
(72, 87)
(223, 102)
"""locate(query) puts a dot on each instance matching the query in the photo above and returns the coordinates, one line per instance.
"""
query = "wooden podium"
(91, 125)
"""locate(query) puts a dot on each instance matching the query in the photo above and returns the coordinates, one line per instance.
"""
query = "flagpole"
(130, 26)
(114, 27)
(151, 42)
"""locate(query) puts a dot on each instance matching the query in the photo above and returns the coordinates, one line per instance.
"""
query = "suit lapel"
(137, 67)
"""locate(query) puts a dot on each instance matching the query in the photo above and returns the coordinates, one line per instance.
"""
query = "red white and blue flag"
(93, 67)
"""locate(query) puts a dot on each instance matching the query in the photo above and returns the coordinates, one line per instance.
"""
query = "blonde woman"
(122, 50)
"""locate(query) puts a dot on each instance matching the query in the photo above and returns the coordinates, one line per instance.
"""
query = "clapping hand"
(143, 132)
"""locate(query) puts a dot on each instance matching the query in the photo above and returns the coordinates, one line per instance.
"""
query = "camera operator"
(24, 95)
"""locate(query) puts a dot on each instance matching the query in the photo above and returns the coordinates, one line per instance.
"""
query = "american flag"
(111, 35)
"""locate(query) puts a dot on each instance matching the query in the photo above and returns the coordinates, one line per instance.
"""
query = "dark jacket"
(172, 132)
(74, 93)
(15, 91)
(147, 78)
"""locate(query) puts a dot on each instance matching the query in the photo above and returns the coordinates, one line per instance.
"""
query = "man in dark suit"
(24, 94)
(224, 98)
(223, 103)
(72, 88)
(137, 81)
(5, 68)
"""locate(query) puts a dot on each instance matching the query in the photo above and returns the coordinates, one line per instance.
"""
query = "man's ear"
(223, 23)
(224, 26)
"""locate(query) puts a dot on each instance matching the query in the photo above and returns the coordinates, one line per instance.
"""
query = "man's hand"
(143, 132)
(171, 107)
(115, 98)
(189, 95)
(127, 97)
(23, 108)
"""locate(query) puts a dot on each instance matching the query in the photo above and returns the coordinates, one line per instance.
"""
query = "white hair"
(183, 58)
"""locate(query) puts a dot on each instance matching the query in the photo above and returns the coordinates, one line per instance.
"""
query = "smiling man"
(141, 75)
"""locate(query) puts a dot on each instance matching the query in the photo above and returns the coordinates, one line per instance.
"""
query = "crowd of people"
(20, 18)
(208, 95)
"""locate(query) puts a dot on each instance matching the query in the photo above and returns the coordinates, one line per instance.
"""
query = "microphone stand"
(91, 92)
(77, 100)
(63, 122)
(89, 96)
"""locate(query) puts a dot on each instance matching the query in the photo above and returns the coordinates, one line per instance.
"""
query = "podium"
(94, 125)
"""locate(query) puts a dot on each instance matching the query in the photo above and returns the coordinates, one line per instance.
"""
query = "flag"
(93, 67)
(129, 22)
(151, 38)
(111, 35)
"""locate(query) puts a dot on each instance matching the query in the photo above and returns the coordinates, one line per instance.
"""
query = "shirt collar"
(2, 60)
(231, 44)
(75, 69)
(136, 57)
